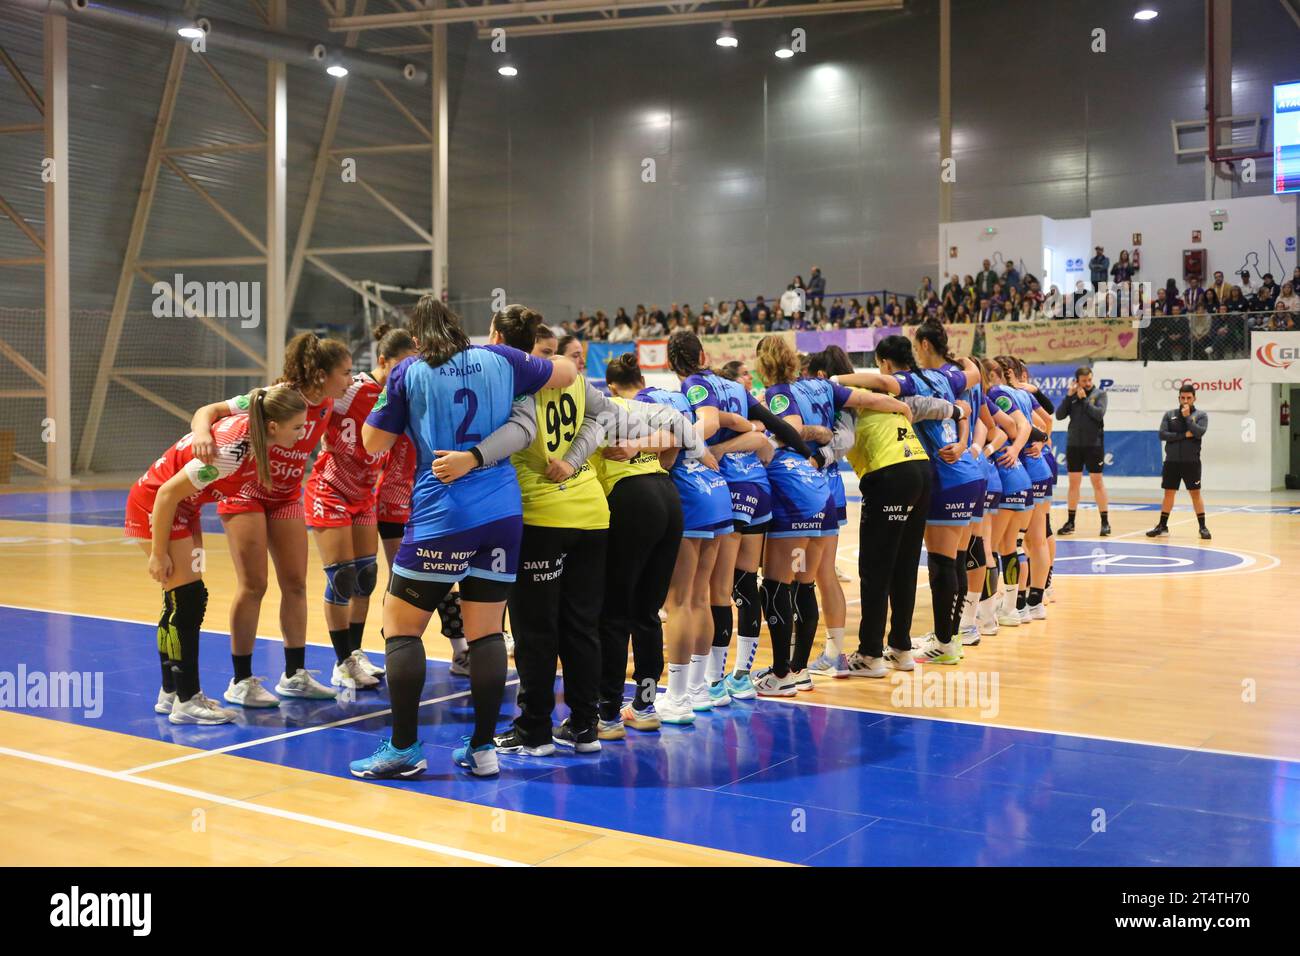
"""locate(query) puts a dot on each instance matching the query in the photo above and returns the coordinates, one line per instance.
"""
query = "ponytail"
(278, 404)
(897, 350)
(624, 370)
(391, 343)
(685, 352)
(437, 329)
(519, 327)
(937, 336)
(309, 360)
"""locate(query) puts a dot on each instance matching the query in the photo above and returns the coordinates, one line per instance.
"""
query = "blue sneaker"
(387, 762)
(739, 688)
(480, 761)
(718, 695)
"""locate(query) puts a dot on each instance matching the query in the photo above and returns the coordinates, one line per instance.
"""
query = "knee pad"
(340, 582)
(190, 603)
(453, 625)
(367, 575)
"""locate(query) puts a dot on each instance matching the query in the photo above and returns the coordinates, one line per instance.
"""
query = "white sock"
(699, 663)
(717, 664)
(677, 675)
(834, 641)
(746, 649)
(459, 645)
(968, 611)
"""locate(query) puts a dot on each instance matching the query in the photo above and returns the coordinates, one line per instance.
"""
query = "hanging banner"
(652, 353)
(1220, 386)
(737, 347)
(599, 354)
(1062, 340)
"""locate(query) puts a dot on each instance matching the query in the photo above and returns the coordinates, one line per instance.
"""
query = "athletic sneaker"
(1009, 618)
(829, 666)
(164, 703)
(249, 692)
(1049, 596)
(840, 575)
(802, 680)
(740, 687)
(610, 730)
(644, 720)
(718, 695)
(583, 741)
(1037, 612)
(933, 652)
(350, 674)
(513, 742)
(1159, 531)
(767, 684)
(374, 670)
(701, 699)
(302, 684)
(460, 663)
(481, 761)
(1067, 528)
(970, 636)
(200, 710)
(860, 666)
(387, 762)
(899, 660)
(1205, 534)
(987, 622)
(674, 710)
(1025, 616)
(1105, 529)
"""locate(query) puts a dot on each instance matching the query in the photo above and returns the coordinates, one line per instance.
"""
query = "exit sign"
(1218, 227)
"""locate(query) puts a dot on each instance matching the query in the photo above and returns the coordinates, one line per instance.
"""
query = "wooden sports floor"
(1154, 718)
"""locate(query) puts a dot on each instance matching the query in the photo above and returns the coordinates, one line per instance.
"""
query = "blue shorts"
(978, 515)
(751, 503)
(1053, 463)
(490, 551)
(1015, 500)
(1041, 490)
(799, 496)
(830, 521)
(836, 480)
(992, 487)
(954, 506)
(706, 500)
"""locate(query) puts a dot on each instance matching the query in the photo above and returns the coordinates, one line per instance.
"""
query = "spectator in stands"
(1171, 295)
(792, 302)
(836, 313)
(760, 304)
(653, 326)
(1123, 270)
(1220, 288)
(951, 288)
(1267, 294)
(1227, 332)
(1200, 324)
(986, 312)
(925, 290)
(1176, 340)
(779, 321)
(985, 280)
(1026, 311)
(1235, 301)
(1098, 267)
(1288, 300)
(1194, 294)
(762, 319)
(622, 330)
(816, 287)
(740, 314)
(1010, 277)
(1247, 287)
(600, 331)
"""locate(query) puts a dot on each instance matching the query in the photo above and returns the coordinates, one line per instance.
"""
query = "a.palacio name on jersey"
(472, 369)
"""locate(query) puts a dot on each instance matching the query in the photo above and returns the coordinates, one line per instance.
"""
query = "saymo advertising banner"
(1275, 356)
(1053, 380)
(1220, 386)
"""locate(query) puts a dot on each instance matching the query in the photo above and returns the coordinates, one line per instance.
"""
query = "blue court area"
(794, 782)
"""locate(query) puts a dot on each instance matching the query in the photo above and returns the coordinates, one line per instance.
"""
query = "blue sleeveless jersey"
(453, 407)
(1038, 468)
(934, 435)
(1015, 479)
(708, 389)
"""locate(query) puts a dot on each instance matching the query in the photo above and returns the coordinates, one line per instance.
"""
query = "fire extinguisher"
(1284, 413)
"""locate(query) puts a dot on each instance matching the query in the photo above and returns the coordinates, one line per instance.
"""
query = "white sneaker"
(350, 674)
(987, 623)
(899, 660)
(802, 680)
(1037, 612)
(934, 652)
(302, 684)
(165, 701)
(460, 663)
(701, 701)
(970, 636)
(1009, 618)
(200, 710)
(767, 684)
(1025, 617)
(249, 692)
(674, 710)
(840, 575)
(860, 666)
(1049, 596)
(373, 670)
(830, 666)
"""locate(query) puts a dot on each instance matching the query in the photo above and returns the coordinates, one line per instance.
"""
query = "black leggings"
(895, 504)
(645, 533)
(554, 609)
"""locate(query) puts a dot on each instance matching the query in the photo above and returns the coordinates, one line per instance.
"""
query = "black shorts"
(1188, 472)
(1092, 457)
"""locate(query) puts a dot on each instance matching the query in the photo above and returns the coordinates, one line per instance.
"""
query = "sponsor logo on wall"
(1222, 386)
(1275, 356)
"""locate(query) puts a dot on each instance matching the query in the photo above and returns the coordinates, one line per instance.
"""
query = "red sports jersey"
(232, 466)
(287, 464)
(397, 482)
(344, 469)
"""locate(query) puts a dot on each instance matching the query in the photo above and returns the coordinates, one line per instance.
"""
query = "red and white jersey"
(287, 464)
(232, 468)
(344, 466)
(397, 482)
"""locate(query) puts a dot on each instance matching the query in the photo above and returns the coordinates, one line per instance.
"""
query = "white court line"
(883, 713)
(292, 733)
(322, 822)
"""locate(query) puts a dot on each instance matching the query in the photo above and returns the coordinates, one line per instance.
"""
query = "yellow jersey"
(882, 439)
(611, 473)
(578, 502)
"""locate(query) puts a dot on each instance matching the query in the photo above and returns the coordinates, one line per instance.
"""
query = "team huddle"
(498, 479)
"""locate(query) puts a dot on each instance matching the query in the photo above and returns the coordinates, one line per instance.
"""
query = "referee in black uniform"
(1182, 430)
(1085, 407)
